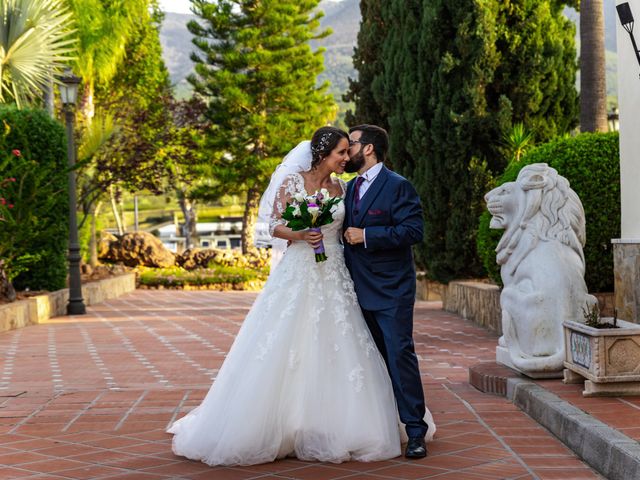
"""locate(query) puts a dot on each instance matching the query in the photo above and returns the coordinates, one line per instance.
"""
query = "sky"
(179, 6)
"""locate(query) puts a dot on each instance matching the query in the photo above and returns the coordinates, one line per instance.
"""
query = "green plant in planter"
(592, 317)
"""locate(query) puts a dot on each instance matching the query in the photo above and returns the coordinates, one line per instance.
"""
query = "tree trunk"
(88, 108)
(593, 88)
(190, 214)
(93, 241)
(6, 288)
(116, 213)
(249, 220)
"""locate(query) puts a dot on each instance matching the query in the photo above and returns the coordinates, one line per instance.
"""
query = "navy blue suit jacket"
(390, 211)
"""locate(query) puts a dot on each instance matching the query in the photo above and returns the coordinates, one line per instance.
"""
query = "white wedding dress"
(303, 377)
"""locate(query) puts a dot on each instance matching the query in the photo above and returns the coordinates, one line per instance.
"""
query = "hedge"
(591, 163)
(33, 150)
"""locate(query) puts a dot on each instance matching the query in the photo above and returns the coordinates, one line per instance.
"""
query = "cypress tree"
(454, 77)
(258, 73)
(457, 47)
(367, 60)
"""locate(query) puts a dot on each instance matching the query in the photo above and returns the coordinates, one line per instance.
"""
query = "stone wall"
(428, 289)
(40, 308)
(475, 301)
(480, 303)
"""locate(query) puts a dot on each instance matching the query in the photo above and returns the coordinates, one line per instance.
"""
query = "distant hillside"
(342, 17)
(177, 47)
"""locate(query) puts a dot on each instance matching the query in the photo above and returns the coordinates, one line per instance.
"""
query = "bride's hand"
(312, 238)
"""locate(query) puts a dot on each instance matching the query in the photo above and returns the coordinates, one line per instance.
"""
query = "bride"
(303, 377)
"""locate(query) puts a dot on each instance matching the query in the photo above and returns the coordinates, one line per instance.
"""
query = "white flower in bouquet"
(298, 197)
(323, 195)
(314, 211)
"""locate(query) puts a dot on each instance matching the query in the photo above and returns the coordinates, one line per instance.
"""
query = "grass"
(222, 277)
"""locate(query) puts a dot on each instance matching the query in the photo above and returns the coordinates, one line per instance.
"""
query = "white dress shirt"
(369, 176)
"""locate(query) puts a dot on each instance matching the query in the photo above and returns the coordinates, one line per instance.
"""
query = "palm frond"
(36, 41)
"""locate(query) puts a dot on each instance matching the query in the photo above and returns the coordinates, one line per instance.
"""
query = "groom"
(383, 219)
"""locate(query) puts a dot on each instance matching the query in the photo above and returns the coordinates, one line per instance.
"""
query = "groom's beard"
(355, 163)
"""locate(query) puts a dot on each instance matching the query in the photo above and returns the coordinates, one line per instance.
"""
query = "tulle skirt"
(303, 377)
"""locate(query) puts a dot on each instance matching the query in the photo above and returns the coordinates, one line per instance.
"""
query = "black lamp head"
(624, 13)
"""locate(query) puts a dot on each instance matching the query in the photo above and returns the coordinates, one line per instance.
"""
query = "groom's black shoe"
(416, 448)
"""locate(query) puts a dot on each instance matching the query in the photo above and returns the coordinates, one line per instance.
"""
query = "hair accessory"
(322, 144)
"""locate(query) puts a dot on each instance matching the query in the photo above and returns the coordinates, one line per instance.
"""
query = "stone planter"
(607, 360)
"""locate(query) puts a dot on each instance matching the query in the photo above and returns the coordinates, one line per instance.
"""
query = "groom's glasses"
(353, 142)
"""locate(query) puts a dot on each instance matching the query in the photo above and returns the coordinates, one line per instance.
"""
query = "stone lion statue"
(542, 267)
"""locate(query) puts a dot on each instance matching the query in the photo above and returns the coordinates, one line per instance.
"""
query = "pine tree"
(257, 71)
(367, 60)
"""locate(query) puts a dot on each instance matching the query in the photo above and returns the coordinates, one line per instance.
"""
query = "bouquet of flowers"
(311, 212)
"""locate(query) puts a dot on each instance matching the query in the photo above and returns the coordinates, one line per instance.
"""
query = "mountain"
(177, 47)
(342, 17)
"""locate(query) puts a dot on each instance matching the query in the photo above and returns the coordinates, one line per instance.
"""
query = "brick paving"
(90, 397)
(621, 413)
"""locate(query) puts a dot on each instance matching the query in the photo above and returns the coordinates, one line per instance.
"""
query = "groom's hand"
(354, 235)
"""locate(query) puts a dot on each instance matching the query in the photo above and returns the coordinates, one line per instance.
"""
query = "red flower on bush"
(3, 201)
(16, 152)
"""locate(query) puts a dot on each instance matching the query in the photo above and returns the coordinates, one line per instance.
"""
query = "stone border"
(40, 308)
(605, 449)
(480, 302)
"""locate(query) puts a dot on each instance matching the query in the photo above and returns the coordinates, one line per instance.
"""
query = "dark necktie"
(356, 193)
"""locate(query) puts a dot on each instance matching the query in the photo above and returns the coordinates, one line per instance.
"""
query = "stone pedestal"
(489, 377)
(503, 358)
(626, 268)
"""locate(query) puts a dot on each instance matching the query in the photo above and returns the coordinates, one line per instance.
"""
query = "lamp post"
(69, 93)
(613, 120)
(626, 19)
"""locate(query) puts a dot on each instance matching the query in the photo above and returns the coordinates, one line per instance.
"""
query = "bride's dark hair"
(323, 141)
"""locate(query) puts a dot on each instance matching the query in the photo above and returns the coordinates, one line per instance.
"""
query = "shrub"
(591, 164)
(176, 277)
(34, 242)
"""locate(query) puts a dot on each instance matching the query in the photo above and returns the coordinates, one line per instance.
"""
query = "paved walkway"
(90, 397)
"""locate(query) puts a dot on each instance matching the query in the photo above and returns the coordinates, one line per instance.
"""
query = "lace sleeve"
(285, 193)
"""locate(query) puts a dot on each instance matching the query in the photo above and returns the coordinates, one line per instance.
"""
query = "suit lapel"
(348, 203)
(372, 192)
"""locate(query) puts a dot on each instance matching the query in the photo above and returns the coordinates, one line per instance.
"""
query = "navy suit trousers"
(392, 331)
